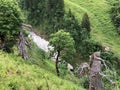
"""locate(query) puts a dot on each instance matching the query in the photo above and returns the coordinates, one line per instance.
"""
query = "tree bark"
(57, 61)
(95, 77)
(22, 42)
(22, 46)
(95, 82)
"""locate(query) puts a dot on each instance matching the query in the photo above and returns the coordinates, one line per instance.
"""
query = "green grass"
(38, 73)
(103, 30)
(33, 74)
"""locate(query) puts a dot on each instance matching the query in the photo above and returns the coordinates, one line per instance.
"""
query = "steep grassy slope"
(17, 74)
(103, 30)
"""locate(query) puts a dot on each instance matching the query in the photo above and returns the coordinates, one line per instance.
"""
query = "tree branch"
(103, 75)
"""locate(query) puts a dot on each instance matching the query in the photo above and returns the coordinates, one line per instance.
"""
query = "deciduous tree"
(62, 42)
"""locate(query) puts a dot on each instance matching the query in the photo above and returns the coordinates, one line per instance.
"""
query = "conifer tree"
(86, 23)
(72, 26)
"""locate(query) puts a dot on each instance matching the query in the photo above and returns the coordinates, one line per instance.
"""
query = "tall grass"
(34, 74)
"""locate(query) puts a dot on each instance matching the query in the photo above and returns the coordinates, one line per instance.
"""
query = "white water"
(43, 44)
(40, 42)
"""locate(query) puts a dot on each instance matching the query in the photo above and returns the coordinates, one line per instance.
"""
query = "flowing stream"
(40, 42)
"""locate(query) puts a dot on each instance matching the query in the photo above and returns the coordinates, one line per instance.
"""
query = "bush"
(89, 46)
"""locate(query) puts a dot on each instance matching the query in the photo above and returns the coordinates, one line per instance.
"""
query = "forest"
(59, 44)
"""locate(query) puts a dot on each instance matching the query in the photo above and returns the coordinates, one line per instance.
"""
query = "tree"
(95, 82)
(62, 42)
(10, 19)
(86, 23)
(72, 26)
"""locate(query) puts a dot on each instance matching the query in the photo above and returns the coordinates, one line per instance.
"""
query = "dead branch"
(103, 75)
(103, 63)
(27, 26)
(81, 68)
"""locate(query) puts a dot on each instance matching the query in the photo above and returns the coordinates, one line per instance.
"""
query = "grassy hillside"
(103, 30)
(18, 74)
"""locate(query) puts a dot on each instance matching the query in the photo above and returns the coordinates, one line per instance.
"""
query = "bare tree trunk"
(22, 42)
(22, 46)
(95, 82)
(95, 77)
(57, 69)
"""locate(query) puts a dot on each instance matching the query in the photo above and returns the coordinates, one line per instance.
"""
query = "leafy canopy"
(62, 40)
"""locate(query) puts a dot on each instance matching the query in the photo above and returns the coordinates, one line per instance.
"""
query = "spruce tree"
(86, 23)
(72, 26)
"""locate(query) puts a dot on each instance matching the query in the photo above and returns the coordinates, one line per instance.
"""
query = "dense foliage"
(115, 15)
(46, 14)
(72, 26)
(36, 10)
(10, 19)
